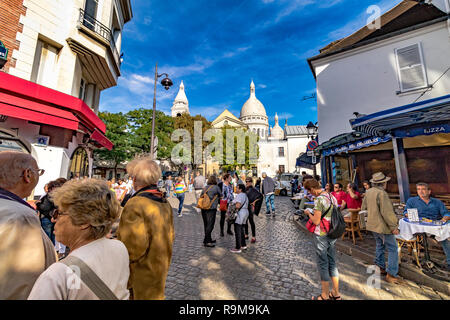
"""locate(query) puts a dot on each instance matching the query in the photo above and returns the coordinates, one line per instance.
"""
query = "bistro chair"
(412, 245)
(352, 226)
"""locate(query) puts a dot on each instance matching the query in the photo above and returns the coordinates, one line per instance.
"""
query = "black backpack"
(337, 223)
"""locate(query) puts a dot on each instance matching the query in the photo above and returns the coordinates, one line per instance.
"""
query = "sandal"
(319, 296)
(334, 298)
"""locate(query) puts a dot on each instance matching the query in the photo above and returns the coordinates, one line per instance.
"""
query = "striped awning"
(426, 117)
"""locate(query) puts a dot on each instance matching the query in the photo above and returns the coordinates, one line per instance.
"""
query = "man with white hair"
(268, 189)
(25, 250)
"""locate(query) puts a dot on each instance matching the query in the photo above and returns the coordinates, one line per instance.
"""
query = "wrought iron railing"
(99, 28)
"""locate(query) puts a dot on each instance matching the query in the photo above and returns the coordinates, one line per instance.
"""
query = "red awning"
(103, 141)
(27, 100)
(30, 91)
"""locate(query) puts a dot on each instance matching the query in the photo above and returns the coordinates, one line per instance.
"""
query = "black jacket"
(253, 194)
(45, 207)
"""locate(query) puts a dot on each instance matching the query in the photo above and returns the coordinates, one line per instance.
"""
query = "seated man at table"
(430, 208)
(338, 193)
(352, 201)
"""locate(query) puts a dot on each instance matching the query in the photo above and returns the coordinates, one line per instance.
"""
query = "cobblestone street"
(280, 265)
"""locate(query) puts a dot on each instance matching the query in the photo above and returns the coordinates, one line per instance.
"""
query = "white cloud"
(262, 86)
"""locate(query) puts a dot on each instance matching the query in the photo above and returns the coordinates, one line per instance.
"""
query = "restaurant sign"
(423, 130)
(356, 145)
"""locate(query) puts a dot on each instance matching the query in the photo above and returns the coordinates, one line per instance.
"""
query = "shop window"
(79, 164)
(411, 68)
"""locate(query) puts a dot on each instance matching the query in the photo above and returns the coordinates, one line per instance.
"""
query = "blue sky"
(218, 46)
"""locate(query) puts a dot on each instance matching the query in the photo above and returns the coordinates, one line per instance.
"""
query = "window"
(281, 151)
(411, 68)
(82, 93)
(44, 65)
(79, 165)
(90, 13)
(281, 169)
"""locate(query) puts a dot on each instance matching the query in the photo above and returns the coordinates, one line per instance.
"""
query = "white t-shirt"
(107, 258)
(243, 211)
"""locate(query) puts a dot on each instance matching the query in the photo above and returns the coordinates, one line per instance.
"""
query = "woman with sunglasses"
(86, 210)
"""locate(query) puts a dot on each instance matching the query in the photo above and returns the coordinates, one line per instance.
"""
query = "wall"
(364, 80)
(10, 12)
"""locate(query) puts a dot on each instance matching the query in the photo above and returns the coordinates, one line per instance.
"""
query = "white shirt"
(243, 211)
(107, 258)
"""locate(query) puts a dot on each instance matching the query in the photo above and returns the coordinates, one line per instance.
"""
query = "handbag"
(312, 227)
(223, 204)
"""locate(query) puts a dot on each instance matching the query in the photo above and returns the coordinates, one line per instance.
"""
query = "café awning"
(305, 161)
(420, 118)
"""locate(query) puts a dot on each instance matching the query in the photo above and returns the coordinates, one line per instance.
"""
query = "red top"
(353, 203)
(339, 196)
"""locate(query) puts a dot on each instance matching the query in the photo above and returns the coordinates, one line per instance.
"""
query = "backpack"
(204, 202)
(337, 225)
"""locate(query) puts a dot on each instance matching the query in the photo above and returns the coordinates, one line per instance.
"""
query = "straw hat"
(379, 177)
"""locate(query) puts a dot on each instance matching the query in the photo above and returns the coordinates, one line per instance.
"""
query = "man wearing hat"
(381, 220)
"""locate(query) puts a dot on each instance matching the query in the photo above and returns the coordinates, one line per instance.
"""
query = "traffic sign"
(313, 144)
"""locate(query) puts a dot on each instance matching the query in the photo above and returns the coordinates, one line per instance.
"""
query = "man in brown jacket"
(381, 220)
(146, 229)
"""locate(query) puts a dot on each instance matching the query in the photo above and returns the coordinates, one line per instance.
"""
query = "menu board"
(413, 215)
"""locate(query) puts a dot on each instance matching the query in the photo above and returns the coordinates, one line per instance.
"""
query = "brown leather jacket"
(146, 229)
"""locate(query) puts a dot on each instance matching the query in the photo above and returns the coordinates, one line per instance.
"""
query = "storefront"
(60, 131)
(409, 143)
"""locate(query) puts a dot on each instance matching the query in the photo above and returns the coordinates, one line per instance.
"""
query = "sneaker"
(234, 250)
(394, 280)
(209, 245)
(230, 232)
(244, 248)
(180, 215)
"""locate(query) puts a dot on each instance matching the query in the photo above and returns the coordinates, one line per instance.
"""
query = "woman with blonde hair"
(146, 229)
(97, 267)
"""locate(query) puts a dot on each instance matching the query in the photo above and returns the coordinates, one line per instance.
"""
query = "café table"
(409, 229)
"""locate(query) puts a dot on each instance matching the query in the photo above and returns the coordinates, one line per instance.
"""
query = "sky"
(217, 47)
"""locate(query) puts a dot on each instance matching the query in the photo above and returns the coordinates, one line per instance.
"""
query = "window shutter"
(411, 68)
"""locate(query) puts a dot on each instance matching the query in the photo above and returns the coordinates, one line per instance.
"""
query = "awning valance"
(425, 117)
(305, 161)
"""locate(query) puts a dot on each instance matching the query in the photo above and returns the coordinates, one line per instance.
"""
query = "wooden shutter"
(411, 68)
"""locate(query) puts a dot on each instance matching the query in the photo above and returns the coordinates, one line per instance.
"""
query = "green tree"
(187, 122)
(140, 124)
(248, 163)
(117, 132)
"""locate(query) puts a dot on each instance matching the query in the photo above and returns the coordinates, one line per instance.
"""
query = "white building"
(63, 53)
(181, 103)
(279, 150)
(368, 73)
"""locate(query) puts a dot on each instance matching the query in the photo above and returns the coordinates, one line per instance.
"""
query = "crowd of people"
(82, 214)
(94, 239)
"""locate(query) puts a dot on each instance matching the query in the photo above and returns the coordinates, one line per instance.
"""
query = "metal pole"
(401, 169)
(152, 147)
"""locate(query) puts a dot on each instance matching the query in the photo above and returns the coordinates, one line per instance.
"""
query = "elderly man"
(25, 250)
(199, 184)
(146, 229)
(381, 220)
(268, 190)
(430, 208)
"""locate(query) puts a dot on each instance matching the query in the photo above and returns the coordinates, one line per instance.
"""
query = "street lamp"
(166, 83)
(311, 129)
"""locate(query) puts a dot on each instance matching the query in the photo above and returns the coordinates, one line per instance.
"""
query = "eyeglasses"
(57, 213)
(40, 172)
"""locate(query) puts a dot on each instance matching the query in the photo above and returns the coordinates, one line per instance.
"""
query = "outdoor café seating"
(413, 248)
(352, 222)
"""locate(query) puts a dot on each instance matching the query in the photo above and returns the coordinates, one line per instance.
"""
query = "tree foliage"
(117, 132)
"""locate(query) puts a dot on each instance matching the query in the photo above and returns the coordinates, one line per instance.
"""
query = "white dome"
(253, 107)
(277, 132)
(181, 96)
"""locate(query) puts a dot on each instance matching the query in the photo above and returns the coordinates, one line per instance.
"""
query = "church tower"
(181, 103)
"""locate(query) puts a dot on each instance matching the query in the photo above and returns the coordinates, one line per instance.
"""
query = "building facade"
(62, 54)
(380, 75)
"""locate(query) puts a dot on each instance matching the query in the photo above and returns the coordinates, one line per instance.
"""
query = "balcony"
(99, 31)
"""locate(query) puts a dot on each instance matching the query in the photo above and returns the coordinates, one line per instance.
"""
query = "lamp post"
(167, 83)
(311, 129)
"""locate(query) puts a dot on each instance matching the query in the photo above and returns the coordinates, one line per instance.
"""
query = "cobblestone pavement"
(280, 265)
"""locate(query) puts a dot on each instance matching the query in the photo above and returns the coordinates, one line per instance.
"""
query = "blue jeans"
(168, 192)
(48, 227)
(180, 197)
(326, 257)
(446, 246)
(386, 241)
(270, 202)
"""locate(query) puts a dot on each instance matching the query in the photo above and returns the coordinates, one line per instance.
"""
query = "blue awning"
(364, 143)
(305, 161)
(425, 117)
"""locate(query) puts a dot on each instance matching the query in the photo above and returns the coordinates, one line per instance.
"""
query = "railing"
(103, 31)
